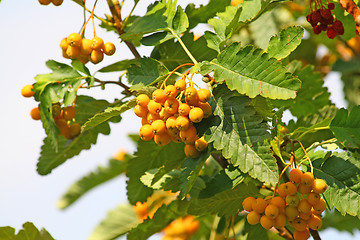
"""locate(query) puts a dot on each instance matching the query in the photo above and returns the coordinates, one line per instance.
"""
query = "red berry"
(338, 26)
(315, 16)
(323, 26)
(331, 6)
(317, 29)
(326, 13)
(331, 32)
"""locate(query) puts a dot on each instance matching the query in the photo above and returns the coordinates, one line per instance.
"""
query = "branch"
(315, 234)
(351, 7)
(220, 159)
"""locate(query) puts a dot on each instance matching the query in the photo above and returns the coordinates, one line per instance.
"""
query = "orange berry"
(56, 109)
(97, 43)
(299, 224)
(201, 144)
(315, 222)
(204, 95)
(152, 117)
(280, 221)
(44, 2)
(184, 109)
(164, 114)
(281, 190)
(182, 123)
(295, 175)
(109, 48)
(291, 212)
(247, 203)
(191, 93)
(259, 205)
(69, 113)
(171, 106)
(75, 129)
(57, 2)
(63, 127)
(74, 40)
(180, 85)
(162, 139)
(191, 225)
(171, 123)
(190, 151)
(96, 56)
(313, 198)
(27, 92)
(142, 100)
(253, 218)
(144, 121)
(304, 189)
(290, 188)
(196, 114)
(301, 235)
(146, 133)
(84, 60)
(304, 206)
(272, 211)
(175, 138)
(170, 91)
(73, 52)
(64, 54)
(320, 206)
(154, 107)
(235, 2)
(206, 109)
(279, 202)
(189, 135)
(85, 47)
(158, 127)
(266, 222)
(35, 113)
(292, 200)
(319, 186)
(141, 111)
(305, 216)
(64, 44)
(159, 96)
(307, 179)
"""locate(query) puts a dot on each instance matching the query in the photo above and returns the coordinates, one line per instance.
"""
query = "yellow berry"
(154, 107)
(320, 206)
(280, 221)
(304, 206)
(35, 113)
(44, 2)
(313, 198)
(319, 186)
(184, 109)
(279, 202)
(64, 44)
(170, 91)
(75, 129)
(189, 135)
(74, 40)
(196, 114)
(315, 222)
(266, 222)
(206, 109)
(96, 56)
(171, 106)
(97, 44)
(247, 203)
(180, 85)
(304, 189)
(299, 224)
(152, 117)
(57, 2)
(73, 52)
(27, 92)
(141, 111)
(292, 200)
(85, 47)
(162, 139)
(158, 127)
(142, 100)
(307, 179)
(109, 48)
(159, 96)
(203, 95)
(291, 212)
(146, 133)
(201, 144)
(253, 218)
(182, 123)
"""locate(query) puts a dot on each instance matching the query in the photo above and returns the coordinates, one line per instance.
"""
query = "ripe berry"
(35, 113)
(331, 32)
(316, 16)
(319, 186)
(171, 105)
(75, 129)
(305, 216)
(259, 205)
(85, 47)
(291, 212)
(142, 100)
(281, 190)
(109, 48)
(290, 188)
(141, 111)
(320, 206)
(170, 91)
(292, 200)
(315, 222)
(299, 224)
(96, 56)
(152, 117)
(182, 122)
(180, 85)
(154, 107)
(171, 123)
(141, 210)
(57, 2)
(206, 109)
(191, 151)
(326, 13)
(73, 52)
(331, 6)
(27, 92)
(266, 222)
(272, 211)
(184, 109)
(279, 202)
(165, 114)
(304, 189)
(64, 44)
(301, 235)
(158, 127)
(253, 218)
(204, 95)
(144, 121)
(196, 114)
(338, 26)
(74, 40)
(307, 179)
(69, 113)
(295, 175)
(175, 138)
(313, 198)
(247, 203)
(162, 139)
(304, 206)
(44, 2)
(159, 96)
(201, 144)
(146, 133)
(97, 43)
(191, 93)
(189, 135)
(280, 221)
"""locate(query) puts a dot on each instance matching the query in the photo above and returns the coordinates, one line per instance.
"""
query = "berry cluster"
(85, 50)
(298, 203)
(47, 2)
(181, 228)
(322, 19)
(170, 114)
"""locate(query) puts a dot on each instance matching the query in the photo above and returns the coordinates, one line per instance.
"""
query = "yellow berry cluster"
(47, 2)
(85, 50)
(181, 228)
(298, 203)
(170, 114)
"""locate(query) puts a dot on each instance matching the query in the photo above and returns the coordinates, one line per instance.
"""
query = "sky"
(30, 35)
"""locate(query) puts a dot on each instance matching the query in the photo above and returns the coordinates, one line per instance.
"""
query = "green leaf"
(334, 219)
(281, 45)
(118, 66)
(108, 114)
(311, 97)
(116, 223)
(7, 233)
(341, 171)
(146, 71)
(347, 21)
(150, 156)
(86, 107)
(251, 72)
(51, 88)
(346, 127)
(225, 203)
(30, 232)
(255, 232)
(171, 54)
(77, 65)
(101, 175)
(162, 217)
(240, 133)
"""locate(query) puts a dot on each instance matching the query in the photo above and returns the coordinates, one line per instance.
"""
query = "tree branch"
(220, 159)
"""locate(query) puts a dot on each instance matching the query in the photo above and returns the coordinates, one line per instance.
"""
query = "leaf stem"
(183, 46)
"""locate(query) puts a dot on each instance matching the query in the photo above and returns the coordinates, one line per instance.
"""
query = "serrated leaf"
(150, 156)
(30, 232)
(281, 45)
(116, 223)
(163, 216)
(146, 71)
(77, 65)
(7, 233)
(240, 133)
(346, 127)
(255, 232)
(334, 219)
(101, 175)
(250, 71)
(171, 54)
(225, 203)
(341, 171)
(108, 114)
(312, 95)
(86, 107)
(118, 66)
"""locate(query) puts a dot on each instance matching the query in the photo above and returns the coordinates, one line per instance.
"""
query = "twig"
(220, 159)
(315, 234)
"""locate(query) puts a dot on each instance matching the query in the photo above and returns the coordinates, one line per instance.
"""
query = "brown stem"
(281, 167)
(126, 88)
(220, 159)
(115, 10)
(285, 233)
(315, 234)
